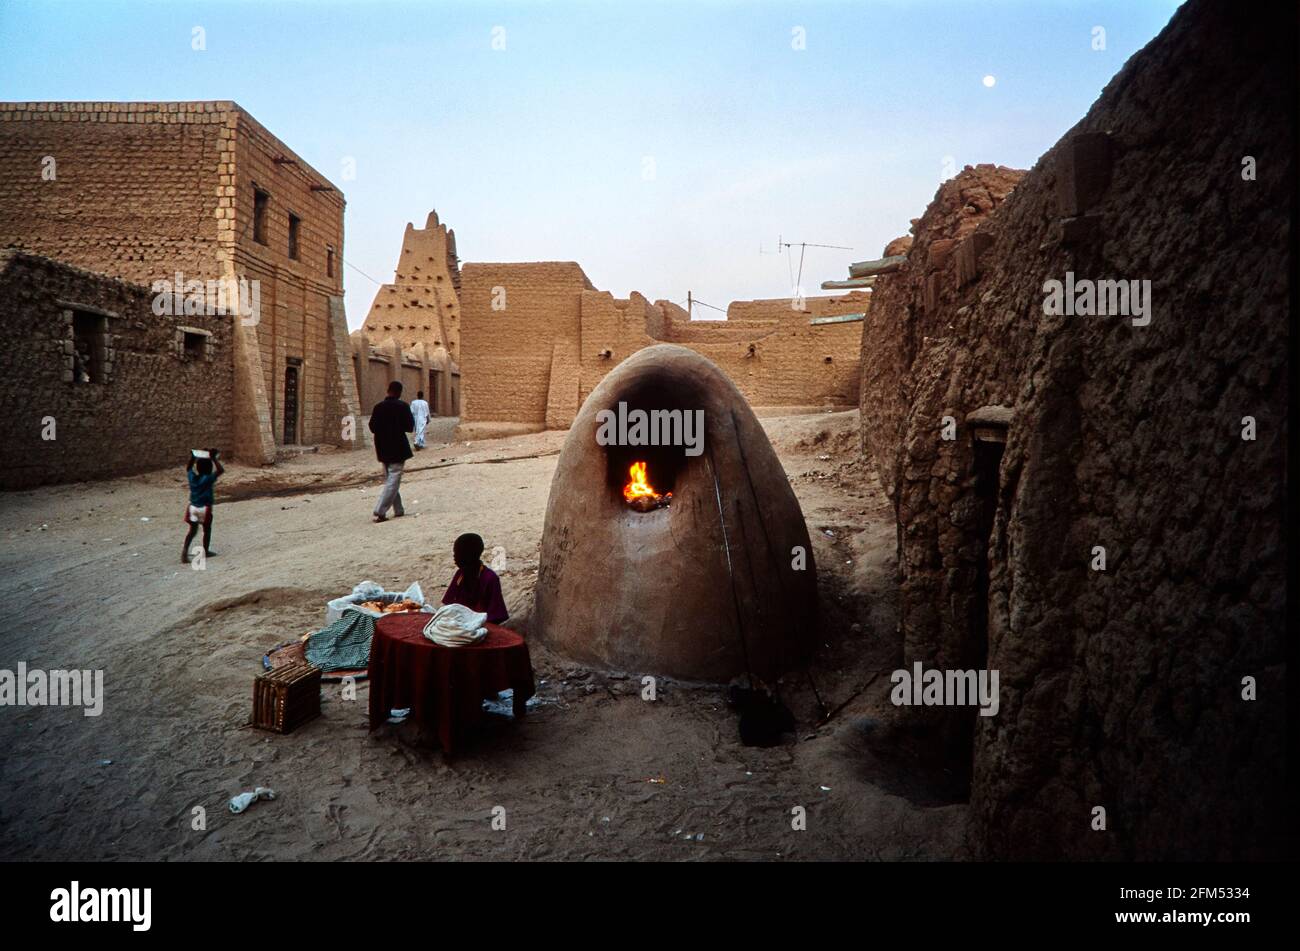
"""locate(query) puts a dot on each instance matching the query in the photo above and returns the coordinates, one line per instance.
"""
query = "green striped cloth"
(343, 645)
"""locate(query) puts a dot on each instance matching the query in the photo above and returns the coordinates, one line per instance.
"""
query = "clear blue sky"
(540, 151)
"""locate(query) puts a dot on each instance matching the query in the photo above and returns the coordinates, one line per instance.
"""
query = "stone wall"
(1122, 687)
(143, 191)
(150, 401)
(530, 362)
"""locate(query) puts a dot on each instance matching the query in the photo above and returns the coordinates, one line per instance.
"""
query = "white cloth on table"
(454, 625)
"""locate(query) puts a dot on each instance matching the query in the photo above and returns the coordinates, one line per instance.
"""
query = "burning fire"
(639, 493)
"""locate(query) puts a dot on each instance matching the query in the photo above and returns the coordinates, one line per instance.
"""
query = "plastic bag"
(369, 591)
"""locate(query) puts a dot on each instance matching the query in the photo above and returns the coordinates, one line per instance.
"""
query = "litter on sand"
(244, 800)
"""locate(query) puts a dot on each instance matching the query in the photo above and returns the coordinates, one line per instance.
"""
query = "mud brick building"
(412, 332)
(1123, 682)
(143, 192)
(539, 337)
(95, 384)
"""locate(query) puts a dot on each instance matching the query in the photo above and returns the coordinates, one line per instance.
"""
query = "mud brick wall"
(342, 391)
(421, 305)
(609, 325)
(790, 367)
(1121, 688)
(295, 314)
(133, 189)
(420, 368)
(144, 190)
(911, 314)
(155, 404)
(787, 369)
(418, 315)
(532, 365)
(915, 372)
(506, 354)
(377, 375)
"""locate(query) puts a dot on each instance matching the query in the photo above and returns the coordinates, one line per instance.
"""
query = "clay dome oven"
(716, 575)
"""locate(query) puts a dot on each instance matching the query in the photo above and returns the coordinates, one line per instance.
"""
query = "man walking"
(420, 410)
(390, 421)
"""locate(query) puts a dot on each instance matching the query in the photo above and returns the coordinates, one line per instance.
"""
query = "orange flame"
(637, 486)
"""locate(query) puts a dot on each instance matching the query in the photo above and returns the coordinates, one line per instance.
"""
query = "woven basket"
(287, 697)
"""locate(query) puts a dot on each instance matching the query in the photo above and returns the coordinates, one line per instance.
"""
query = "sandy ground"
(91, 579)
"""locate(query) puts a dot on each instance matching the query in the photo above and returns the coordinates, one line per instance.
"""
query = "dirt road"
(91, 579)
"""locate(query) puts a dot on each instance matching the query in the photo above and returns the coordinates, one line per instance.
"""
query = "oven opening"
(643, 464)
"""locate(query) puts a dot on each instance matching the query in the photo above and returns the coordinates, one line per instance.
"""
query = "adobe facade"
(146, 191)
(1094, 505)
(412, 332)
(538, 338)
(96, 383)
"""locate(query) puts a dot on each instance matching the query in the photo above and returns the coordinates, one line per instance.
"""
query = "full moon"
(989, 81)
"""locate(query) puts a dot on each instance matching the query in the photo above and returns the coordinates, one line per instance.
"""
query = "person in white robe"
(420, 410)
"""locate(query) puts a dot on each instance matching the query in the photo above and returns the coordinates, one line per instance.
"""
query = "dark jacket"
(390, 421)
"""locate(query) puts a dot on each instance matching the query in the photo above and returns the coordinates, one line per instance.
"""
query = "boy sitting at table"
(475, 585)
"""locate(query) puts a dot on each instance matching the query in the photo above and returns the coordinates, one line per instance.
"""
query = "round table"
(444, 687)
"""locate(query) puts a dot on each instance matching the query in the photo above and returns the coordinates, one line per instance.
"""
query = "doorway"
(291, 401)
(986, 466)
(435, 393)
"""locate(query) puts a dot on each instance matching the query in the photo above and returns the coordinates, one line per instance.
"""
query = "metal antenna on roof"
(803, 247)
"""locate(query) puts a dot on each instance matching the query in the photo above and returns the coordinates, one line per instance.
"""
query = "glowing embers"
(640, 494)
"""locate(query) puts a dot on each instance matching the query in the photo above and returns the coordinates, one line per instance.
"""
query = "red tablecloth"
(444, 687)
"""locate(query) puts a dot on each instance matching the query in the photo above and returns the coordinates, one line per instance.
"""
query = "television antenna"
(803, 246)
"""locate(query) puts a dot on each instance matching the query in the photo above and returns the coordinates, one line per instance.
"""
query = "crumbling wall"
(1122, 685)
(153, 403)
(921, 379)
(914, 307)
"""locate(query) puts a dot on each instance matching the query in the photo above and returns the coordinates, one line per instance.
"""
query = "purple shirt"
(489, 601)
